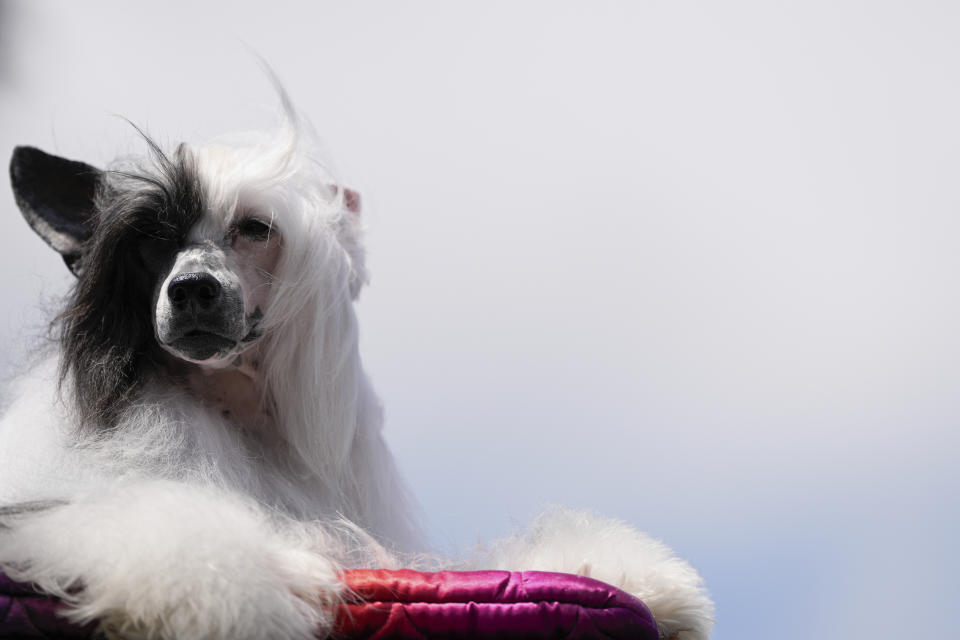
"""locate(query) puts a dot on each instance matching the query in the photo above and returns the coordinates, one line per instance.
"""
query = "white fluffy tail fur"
(611, 551)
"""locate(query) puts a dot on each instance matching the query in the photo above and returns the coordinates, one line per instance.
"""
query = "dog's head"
(182, 255)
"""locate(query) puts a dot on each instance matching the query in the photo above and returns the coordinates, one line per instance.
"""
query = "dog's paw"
(163, 561)
(613, 552)
(295, 599)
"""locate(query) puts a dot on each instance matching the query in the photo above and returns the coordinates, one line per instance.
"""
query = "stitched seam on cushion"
(600, 607)
(508, 604)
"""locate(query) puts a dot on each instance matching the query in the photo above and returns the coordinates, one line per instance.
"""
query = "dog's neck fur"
(237, 392)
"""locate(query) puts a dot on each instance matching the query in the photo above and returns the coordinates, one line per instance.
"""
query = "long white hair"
(315, 386)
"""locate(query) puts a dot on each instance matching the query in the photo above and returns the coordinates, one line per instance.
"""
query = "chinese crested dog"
(201, 453)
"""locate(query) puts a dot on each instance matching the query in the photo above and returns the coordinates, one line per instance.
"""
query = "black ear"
(56, 197)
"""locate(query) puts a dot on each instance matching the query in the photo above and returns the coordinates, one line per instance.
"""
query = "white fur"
(152, 555)
(612, 552)
(183, 523)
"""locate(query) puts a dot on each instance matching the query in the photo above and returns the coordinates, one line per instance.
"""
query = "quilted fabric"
(490, 604)
(415, 605)
(24, 613)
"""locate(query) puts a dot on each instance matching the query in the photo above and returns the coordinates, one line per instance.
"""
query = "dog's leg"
(610, 551)
(10, 513)
(165, 560)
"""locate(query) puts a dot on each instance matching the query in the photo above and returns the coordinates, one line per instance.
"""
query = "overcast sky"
(690, 264)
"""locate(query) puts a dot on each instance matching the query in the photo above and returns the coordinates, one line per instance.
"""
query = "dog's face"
(212, 293)
(182, 256)
(207, 269)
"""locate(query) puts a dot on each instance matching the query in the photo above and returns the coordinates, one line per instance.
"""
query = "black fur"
(141, 219)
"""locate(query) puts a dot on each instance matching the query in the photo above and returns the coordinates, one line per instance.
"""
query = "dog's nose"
(200, 289)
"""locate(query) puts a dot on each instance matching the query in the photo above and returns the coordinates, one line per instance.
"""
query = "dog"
(200, 452)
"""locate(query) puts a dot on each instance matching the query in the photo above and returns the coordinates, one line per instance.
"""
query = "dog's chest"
(235, 394)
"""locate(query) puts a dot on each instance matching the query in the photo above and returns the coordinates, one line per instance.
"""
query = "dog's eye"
(253, 229)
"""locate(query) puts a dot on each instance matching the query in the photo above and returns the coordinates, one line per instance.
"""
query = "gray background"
(690, 264)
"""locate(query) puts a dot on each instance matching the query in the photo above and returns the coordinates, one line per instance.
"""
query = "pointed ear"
(351, 237)
(56, 197)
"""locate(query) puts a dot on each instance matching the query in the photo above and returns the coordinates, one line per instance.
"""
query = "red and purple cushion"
(412, 604)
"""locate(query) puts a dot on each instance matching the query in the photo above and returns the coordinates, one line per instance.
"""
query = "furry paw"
(292, 599)
(611, 551)
(162, 561)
